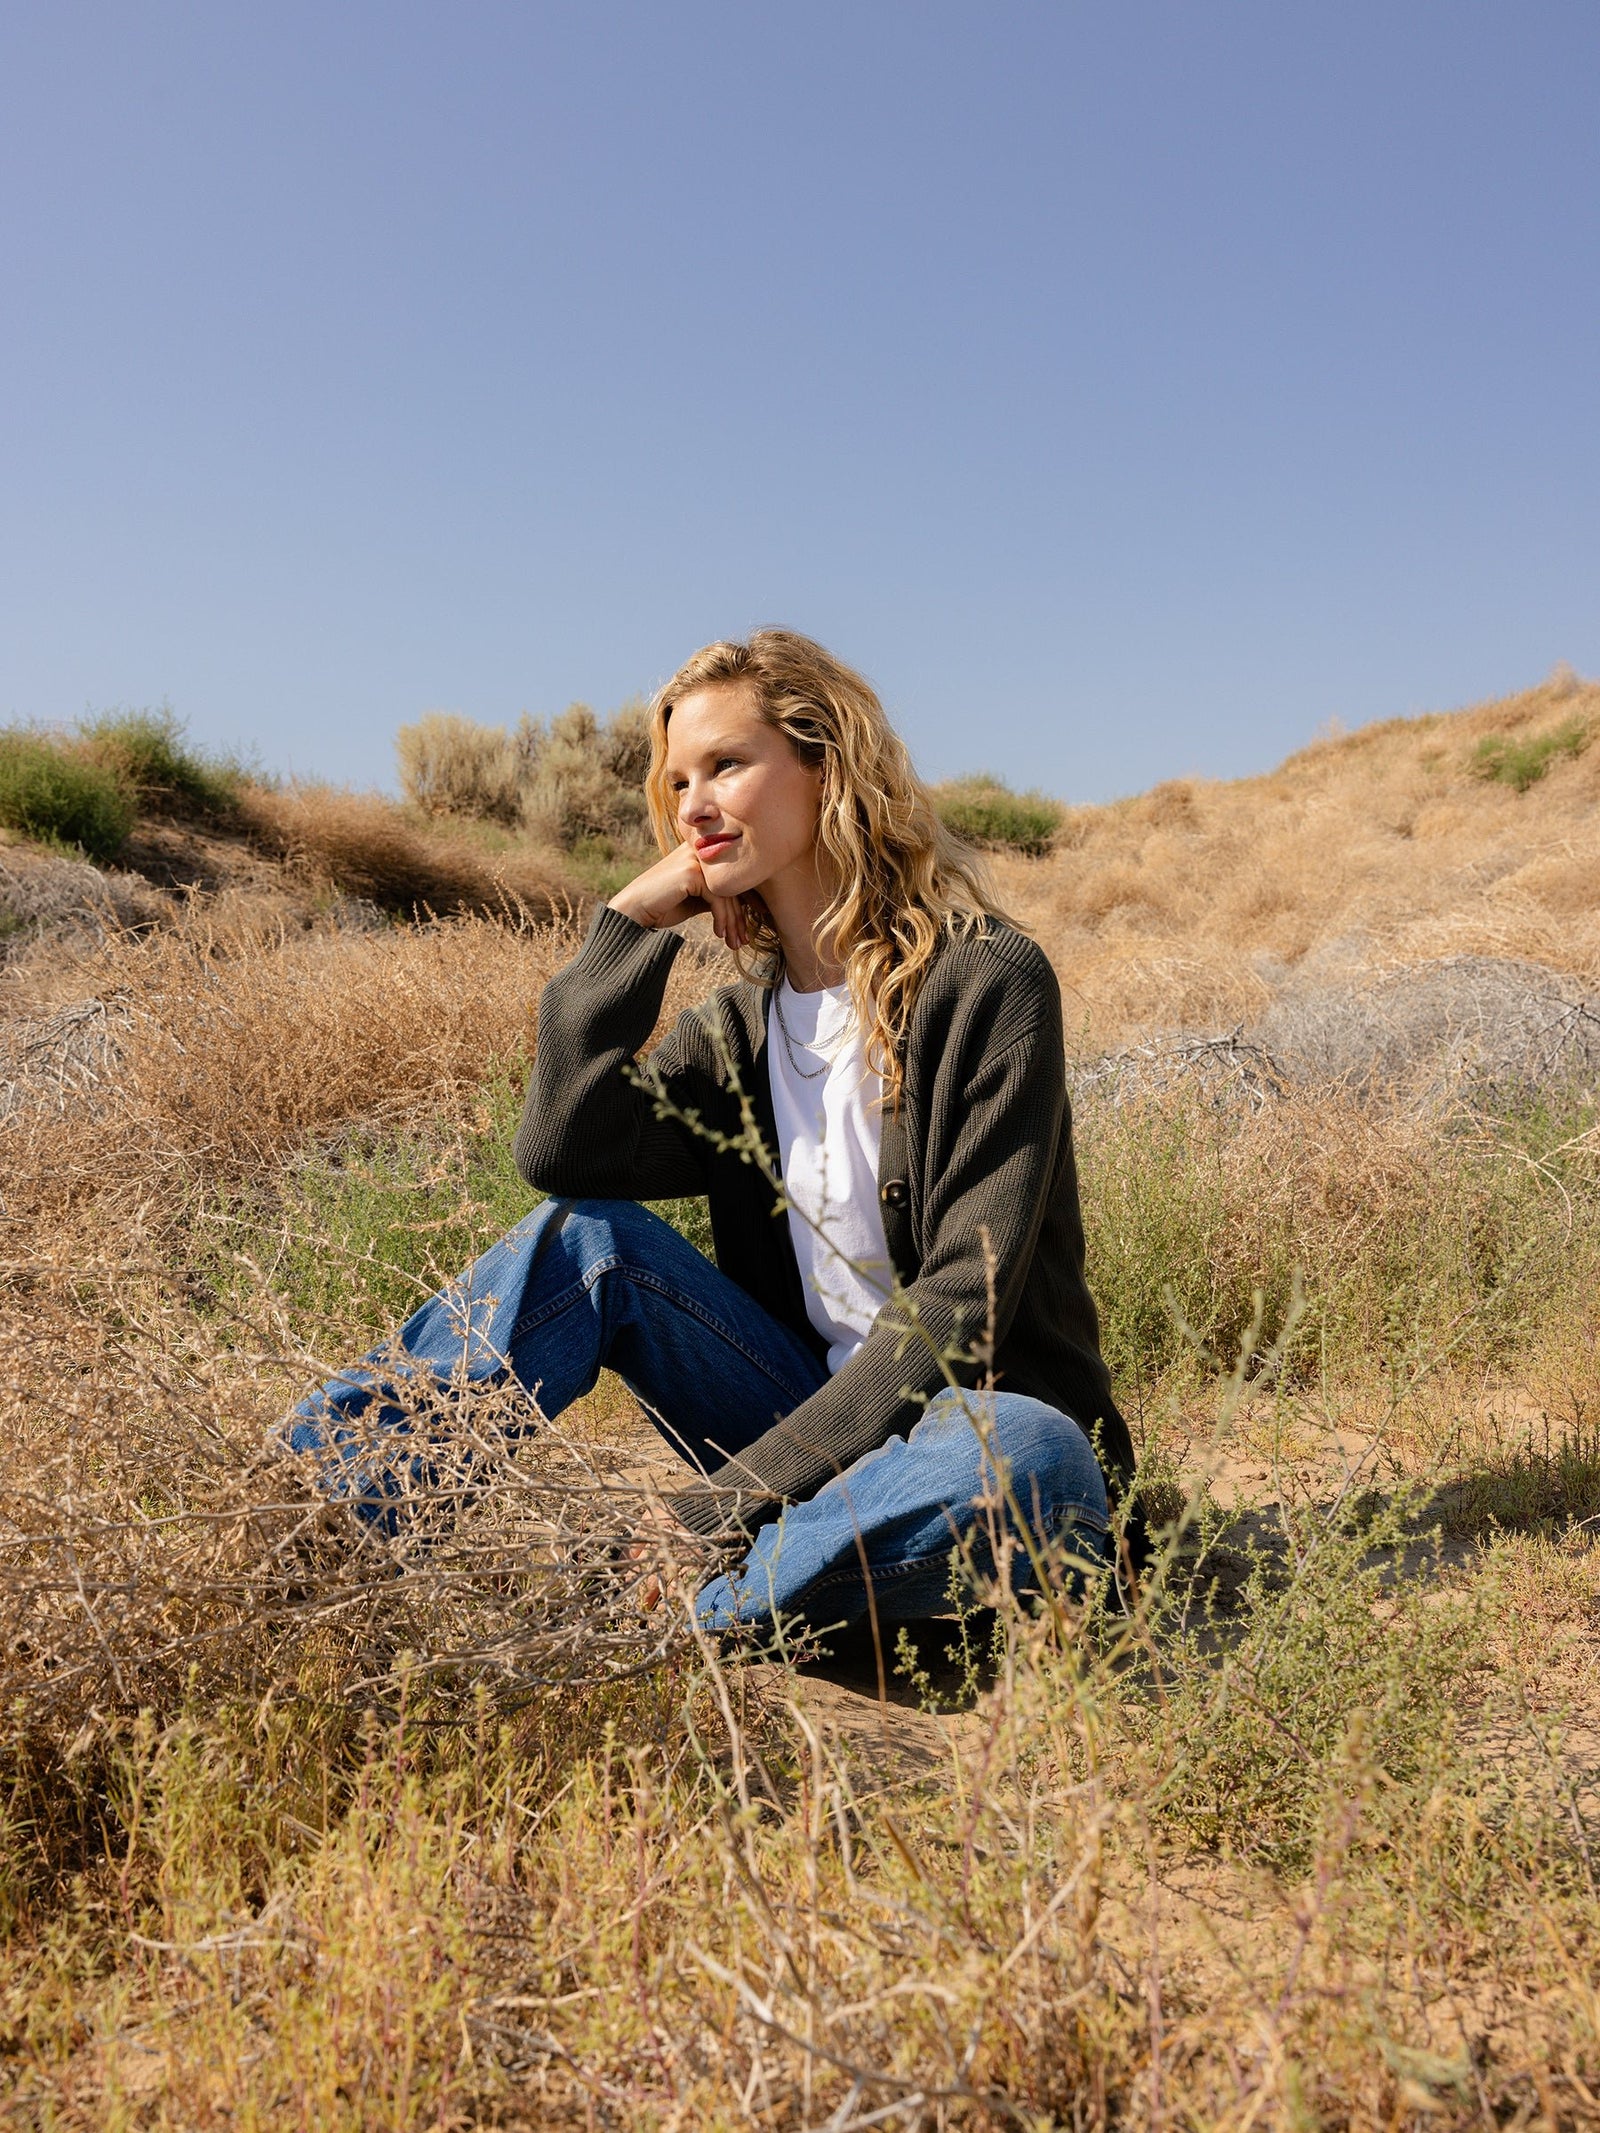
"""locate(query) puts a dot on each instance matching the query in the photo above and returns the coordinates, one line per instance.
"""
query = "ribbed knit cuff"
(616, 942)
(721, 1514)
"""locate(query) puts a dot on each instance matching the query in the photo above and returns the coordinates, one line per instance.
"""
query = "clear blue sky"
(1129, 389)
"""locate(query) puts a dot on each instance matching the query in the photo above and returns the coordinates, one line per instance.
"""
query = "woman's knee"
(568, 1244)
(1048, 1457)
(585, 1231)
(1041, 1441)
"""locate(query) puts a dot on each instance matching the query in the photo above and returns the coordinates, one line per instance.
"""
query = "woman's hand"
(662, 1532)
(674, 889)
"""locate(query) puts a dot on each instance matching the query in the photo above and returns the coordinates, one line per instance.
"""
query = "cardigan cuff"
(721, 1514)
(616, 942)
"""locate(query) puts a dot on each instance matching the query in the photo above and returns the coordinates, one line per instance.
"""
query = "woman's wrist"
(640, 916)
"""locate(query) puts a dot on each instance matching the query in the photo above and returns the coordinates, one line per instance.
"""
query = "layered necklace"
(805, 1073)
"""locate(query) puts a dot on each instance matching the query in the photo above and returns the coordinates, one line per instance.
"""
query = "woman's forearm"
(587, 1129)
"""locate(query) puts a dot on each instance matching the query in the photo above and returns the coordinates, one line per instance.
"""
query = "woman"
(898, 1046)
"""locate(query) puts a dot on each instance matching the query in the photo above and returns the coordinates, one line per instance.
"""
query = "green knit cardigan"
(976, 1173)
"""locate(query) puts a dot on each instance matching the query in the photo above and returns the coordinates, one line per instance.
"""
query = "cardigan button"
(896, 1193)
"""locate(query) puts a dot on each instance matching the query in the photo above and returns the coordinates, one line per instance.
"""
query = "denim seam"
(617, 1265)
(850, 1573)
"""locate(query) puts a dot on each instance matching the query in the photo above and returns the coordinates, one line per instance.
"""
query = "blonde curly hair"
(900, 879)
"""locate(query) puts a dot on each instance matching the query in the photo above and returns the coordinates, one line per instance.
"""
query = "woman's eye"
(728, 762)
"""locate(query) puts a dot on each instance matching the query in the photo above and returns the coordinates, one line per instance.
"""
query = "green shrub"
(147, 752)
(603, 865)
(1343, 1660)
(1521, 763)
(584, 777)
(49, 790)
(451, 765)
(577, 782)
(986, 812)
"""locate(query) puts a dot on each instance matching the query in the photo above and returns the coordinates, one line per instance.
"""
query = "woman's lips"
(712, 847)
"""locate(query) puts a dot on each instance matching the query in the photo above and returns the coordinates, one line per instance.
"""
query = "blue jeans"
(585, 1283)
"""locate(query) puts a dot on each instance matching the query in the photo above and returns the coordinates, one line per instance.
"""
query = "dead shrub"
(227, 1062)
(45, 897)
(63, 1058)
(205, 1556)
(1488, 1028)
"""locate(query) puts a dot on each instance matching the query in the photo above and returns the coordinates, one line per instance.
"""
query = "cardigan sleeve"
(587, 1129)
(1007, 1110)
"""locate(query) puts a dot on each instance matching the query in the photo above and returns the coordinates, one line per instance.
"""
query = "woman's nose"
(695, 804)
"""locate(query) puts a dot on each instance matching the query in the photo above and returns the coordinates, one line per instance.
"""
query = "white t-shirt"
(829, 1130)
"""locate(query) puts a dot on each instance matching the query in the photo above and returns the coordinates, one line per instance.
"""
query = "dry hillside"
(1198, 904)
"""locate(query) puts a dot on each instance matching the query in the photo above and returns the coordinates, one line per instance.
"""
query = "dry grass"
(305, 1826)
(229, 1061)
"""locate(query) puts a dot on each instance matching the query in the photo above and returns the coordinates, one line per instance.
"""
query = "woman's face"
(745, 801)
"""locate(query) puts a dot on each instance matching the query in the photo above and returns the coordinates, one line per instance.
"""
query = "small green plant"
(1335, 1644)
(147, 752)
(1551, 1480)
(50, 791)
(961, 1649)
(1500, 760)
(985, 811)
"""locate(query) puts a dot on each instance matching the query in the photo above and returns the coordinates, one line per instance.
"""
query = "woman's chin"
(729, 878)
